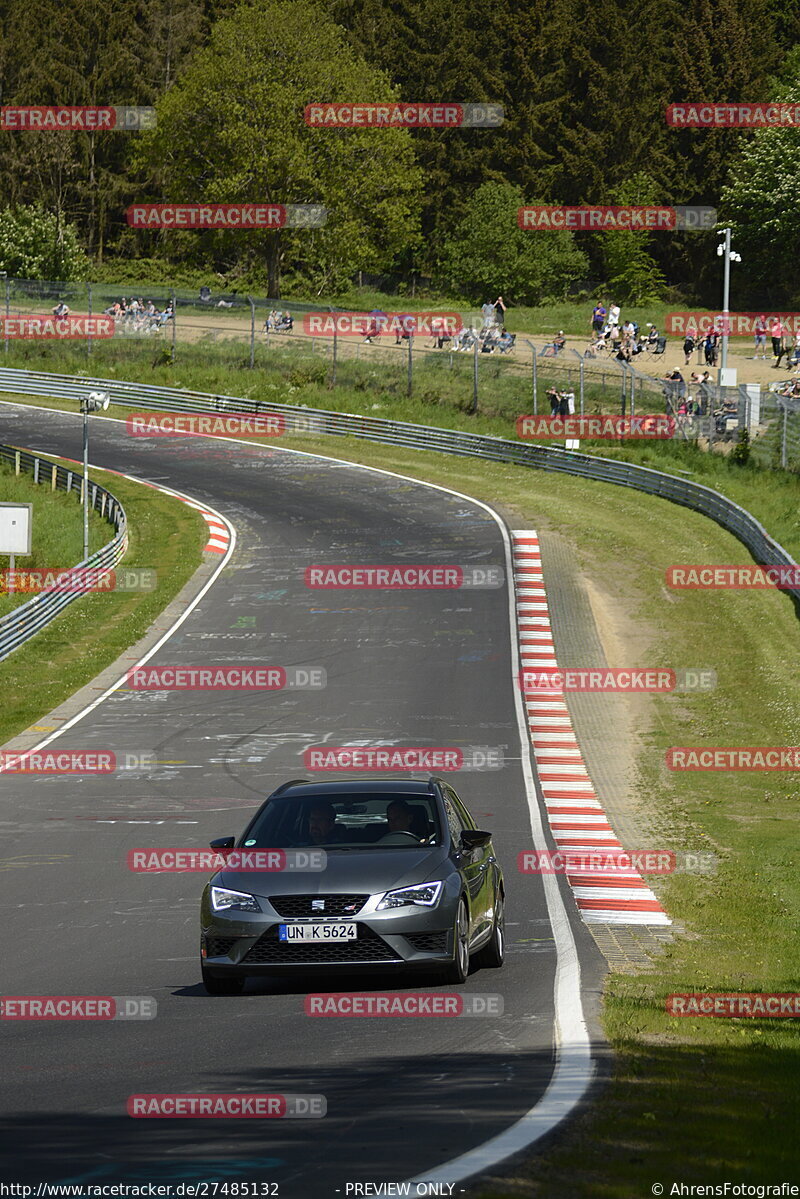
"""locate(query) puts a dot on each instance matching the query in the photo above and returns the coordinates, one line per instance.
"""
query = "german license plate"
(317, 932)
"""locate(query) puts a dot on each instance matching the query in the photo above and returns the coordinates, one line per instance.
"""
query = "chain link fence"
(163, 325)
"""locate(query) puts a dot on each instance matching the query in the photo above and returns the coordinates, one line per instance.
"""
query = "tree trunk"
(274, 265)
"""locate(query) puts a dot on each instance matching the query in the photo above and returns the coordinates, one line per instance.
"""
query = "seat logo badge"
(317, 905)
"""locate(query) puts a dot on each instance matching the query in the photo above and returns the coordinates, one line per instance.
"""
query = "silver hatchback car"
(404, 880)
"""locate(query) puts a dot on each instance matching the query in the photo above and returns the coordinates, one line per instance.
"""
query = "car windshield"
(347, 822)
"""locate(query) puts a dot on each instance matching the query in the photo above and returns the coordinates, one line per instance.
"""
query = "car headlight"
(425, 896)
(223, 900)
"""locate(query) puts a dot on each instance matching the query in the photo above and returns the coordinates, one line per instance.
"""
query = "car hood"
(362, 871)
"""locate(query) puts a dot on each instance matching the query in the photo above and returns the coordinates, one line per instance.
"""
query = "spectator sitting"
(404, 328)
(598, 345)
(506, 341)
(439, 332)
(490, 340)
(285, 323)
(466, 339)
(559, 341)
(61, 310)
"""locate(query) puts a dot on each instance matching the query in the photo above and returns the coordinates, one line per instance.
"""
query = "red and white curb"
(219, 536)
(576, 816)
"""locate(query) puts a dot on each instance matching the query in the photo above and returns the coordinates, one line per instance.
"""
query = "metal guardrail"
(725, 512)
(34, 615)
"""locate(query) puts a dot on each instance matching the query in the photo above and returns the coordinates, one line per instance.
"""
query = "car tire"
(455, 973)
(222, 984)
(494, 951)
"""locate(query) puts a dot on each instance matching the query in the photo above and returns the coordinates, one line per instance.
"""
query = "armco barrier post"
(252, 304)
(474, 407)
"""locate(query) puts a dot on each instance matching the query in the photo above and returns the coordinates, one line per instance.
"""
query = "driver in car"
(400, 818)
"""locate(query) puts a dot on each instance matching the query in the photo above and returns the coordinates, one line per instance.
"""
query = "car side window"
(463, 814)
(454, 820)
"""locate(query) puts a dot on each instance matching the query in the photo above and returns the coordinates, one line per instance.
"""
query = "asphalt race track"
(419, 668)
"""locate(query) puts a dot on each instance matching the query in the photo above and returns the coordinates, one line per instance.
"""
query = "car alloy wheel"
(456, 972)
(494, 952)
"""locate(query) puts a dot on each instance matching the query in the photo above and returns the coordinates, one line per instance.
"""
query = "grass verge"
(164, 534)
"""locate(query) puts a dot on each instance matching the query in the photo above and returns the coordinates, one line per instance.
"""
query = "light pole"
(95, 401)
(724, 250)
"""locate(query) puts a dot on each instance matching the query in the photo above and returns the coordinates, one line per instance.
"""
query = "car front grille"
(292, 906)
(427, 942)
(220, 947)
(368, 947)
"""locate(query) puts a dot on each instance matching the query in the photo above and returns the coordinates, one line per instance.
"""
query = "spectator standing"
(688, 348)
(710, 346)
(487, 312)
(760, 336)
(777, 332)
(613, 317)
(499, 312)
(599, 313)
(554, 398)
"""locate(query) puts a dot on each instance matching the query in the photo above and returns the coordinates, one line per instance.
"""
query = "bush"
(35, 245)
(741, 451)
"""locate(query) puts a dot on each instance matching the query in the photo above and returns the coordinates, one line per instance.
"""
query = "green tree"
(760, 201)
(630, 269)
(220, 141)
(487, 252)
(34, 245)
(89, 52)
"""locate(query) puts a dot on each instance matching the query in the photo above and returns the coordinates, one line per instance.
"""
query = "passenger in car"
(322, 826)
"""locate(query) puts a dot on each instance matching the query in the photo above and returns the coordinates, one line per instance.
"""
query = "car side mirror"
(473, 838)
(223, 843)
